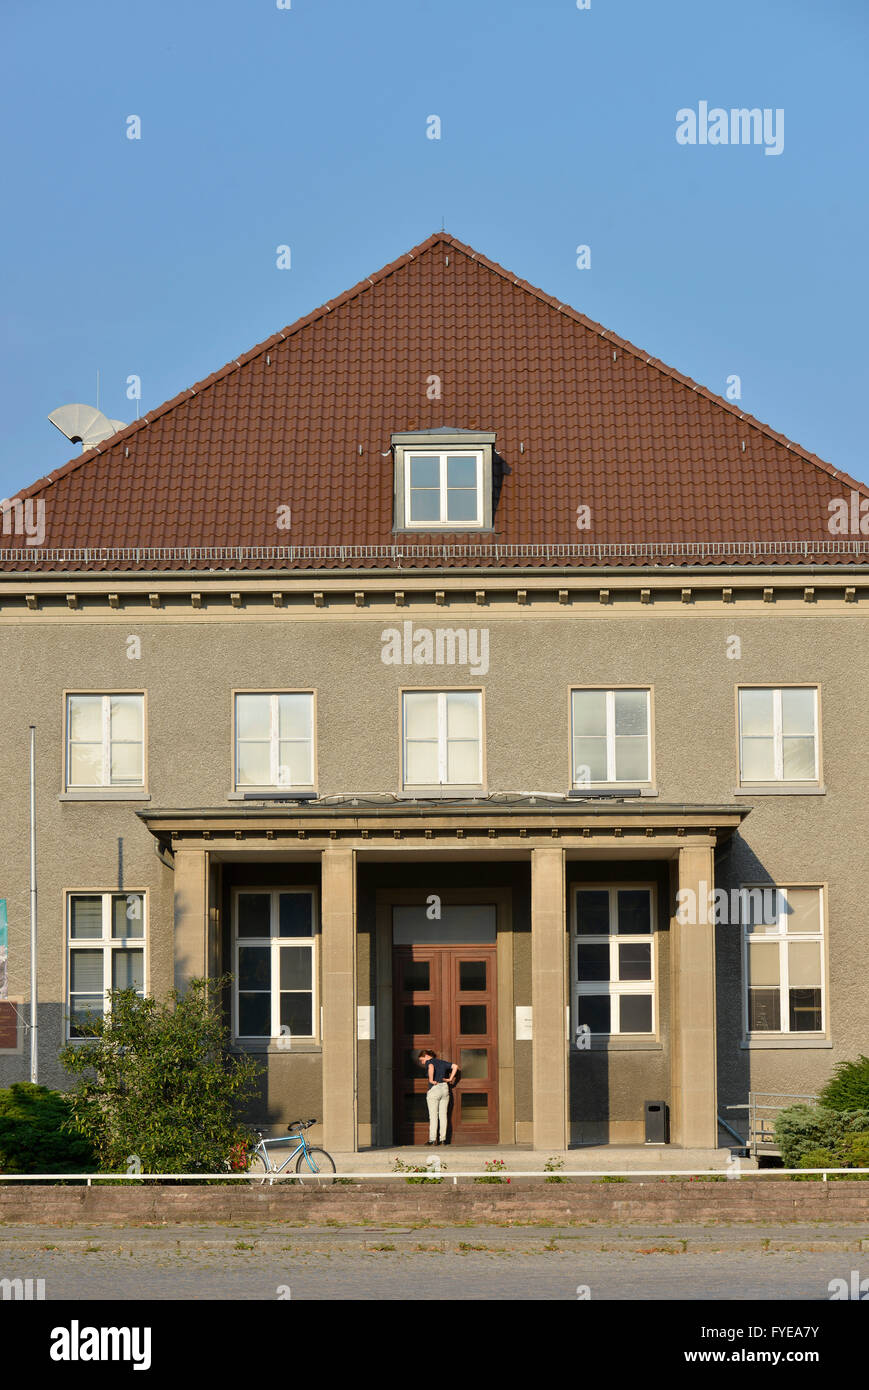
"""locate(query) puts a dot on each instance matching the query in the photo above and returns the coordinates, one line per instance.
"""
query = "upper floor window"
(105, 740)
(106, 951)
(274, 740)
(784, 959)
(778, 734)
(442, 738)
(443, 480)
(611, 737)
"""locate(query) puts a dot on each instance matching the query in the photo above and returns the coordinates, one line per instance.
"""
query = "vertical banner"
(4, 948)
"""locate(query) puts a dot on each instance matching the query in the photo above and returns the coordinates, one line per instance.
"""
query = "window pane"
(758, 760)
(463, 762)
(128, 765)
(417, 1018)
(472, 974)
(295, 764)
(798, 759)
(632, 760)
(295, 967)
(475, 1108)
(763, 963)
(805, 1011)
(474, 1063)
(421, 714)
(254, 914)
(589, 753)
(295, 914)
(631, 712)
(86, 972)
(254, 967)
(254, 1015)
(422, 764)
(297, 1015)
(425, 506)
(128, 915)
(128, 970)
(589, 712)
(461, 472)
(592, 962)
(86, 718)
(461, 506)
(803, 913)
(798, 712)
(83, 1012)
(254, 765)
(415, 975)
(127, 717)
(593, 912)
(472, 1018)
(86, 765)
(294, 716)
(635, 960)
(804, 964)
(756, 712)
(760, 908)
(635, 1013)
(425, 471)
(635, 911)
(86, 917)
(253, 716)
(763, 1011)
(594, 1010)
(463, 714)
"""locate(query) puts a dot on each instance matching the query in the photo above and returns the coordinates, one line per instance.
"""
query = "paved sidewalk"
(609, 1158)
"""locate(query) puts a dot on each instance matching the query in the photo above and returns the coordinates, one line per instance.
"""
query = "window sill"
(784, 1040)
(781, 789)
(272, 793)
(624, 1044)
(274, 1049)
(105, 794)
(613, 788)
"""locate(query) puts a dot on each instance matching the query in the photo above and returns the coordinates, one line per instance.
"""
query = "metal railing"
(422, 1174)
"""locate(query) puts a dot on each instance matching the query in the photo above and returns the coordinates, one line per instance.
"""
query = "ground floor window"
(274, 939)
(783, 940)
(613, 959)
(106, 951)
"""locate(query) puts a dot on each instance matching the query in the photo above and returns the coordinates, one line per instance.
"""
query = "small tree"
(157, 1081)
(37, 1134)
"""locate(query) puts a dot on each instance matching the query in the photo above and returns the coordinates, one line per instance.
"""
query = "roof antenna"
(443, 224)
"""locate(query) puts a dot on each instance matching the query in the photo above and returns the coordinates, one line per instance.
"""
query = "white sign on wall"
(365, 1022)
(523, 1022)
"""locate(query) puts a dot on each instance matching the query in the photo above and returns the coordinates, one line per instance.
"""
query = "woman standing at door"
(440, 1075)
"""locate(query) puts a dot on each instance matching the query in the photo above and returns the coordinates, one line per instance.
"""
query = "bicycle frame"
(301, 1147)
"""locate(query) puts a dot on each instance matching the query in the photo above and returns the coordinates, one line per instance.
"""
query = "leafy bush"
(429, 1167)
(848, 1088)
(37, 1134)
(803, 1129)
(157, 1082)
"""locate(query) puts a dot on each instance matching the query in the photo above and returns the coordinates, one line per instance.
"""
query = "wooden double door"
(445, 998)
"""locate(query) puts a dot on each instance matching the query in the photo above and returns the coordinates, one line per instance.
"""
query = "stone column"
(191, 915)
(548, 1000)
(338, 974)
(694, 1094)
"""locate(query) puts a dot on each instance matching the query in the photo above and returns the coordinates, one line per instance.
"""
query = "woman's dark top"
(442, 1070)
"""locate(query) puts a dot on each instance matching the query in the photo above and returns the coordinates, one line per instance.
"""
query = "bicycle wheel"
(257, 1169)
(315, 1166)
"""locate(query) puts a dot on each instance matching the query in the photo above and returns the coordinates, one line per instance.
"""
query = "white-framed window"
(105, 951)
(613, 959)
(783, 943)
(442, 738)
(275, 977)
(274, 739)
(778, 734)
(610, 736)
(443, 489)
(105, 740)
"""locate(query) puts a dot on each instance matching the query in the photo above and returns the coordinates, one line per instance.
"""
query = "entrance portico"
(524, 860)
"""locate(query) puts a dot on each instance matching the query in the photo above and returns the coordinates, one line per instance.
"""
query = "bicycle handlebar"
(300, 1124)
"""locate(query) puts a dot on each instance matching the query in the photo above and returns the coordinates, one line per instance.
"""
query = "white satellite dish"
(84, 424)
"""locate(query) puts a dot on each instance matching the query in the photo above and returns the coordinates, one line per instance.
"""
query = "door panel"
(445, 998)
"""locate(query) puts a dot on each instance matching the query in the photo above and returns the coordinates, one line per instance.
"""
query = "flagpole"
(34, 1063)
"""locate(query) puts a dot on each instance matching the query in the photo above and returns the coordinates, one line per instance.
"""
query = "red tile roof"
(670, 471)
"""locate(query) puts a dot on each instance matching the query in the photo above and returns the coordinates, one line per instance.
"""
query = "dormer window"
(443, 480)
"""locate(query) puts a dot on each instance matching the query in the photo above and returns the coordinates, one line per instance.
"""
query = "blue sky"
(306, 127)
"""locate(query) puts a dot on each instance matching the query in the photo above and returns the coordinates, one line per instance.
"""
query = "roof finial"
(443, 223)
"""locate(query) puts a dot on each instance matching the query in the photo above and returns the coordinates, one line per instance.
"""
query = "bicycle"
(313, 1166)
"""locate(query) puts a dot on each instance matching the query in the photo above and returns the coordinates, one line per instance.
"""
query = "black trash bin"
(657, 1122)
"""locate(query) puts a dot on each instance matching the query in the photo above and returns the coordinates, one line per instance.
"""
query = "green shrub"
(804, 1129)
(848, 1088)
(37, 1135)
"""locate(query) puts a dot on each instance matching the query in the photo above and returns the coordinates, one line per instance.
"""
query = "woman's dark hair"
(426, 1052)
